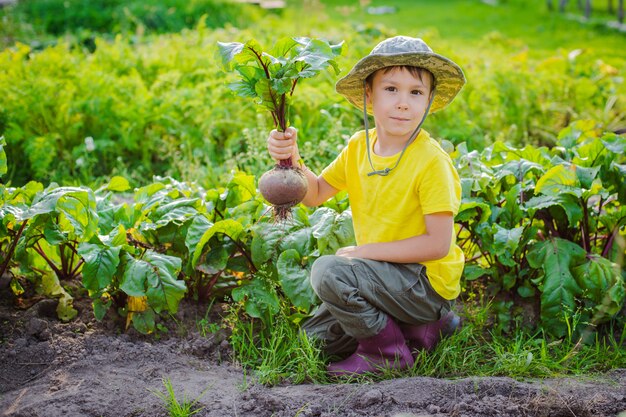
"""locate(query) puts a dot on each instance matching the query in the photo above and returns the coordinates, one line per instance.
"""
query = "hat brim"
(449, 78)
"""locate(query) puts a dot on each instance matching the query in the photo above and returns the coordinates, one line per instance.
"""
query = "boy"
(393, 291)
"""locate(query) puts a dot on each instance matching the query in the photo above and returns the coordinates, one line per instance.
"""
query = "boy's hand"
(349, 252)
(284, 145)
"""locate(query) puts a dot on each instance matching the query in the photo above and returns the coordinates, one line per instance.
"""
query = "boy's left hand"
(349, 252)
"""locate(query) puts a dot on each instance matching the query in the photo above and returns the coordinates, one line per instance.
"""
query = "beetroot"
(283, 187)
(271, 78)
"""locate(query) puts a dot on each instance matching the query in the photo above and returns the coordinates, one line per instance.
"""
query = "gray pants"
(359, 294)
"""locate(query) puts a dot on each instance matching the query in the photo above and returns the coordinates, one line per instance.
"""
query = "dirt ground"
(88, 368)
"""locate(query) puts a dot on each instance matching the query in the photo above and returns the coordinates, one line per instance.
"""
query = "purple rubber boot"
(387, 349)
(427, 336)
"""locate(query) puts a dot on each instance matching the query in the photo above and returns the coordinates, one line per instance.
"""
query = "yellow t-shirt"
(392, 207)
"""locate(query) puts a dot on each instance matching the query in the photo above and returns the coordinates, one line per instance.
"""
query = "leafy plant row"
(59, 17)
(549, 224)
(546, 225)
(167, 241)
(161, 104)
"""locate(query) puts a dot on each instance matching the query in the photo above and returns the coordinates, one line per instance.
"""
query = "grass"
(469, 23)
(277, 351)
(175, 407)
(280, 352)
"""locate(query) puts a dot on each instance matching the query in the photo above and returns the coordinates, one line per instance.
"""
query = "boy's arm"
(319, 189)
(433, 244)
(284, 145)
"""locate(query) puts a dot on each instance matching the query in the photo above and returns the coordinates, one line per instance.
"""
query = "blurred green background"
(91, 89)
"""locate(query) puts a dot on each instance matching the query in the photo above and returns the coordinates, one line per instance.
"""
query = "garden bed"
(88, 368)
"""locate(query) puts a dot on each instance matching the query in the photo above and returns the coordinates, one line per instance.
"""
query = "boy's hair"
(417, 72)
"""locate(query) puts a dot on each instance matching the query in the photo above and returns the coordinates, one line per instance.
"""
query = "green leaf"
(215, 260)
(507, 239)
(331, 230)
(475, 211)
(235, 53)
(570, 204)
(246, 86)
(473, 272)
(575, 133)
(143, 194)
(556, 257)
(559, 180)
(16, 287)
(50, 286)
(517, 168)
(265, 240)
(603, 286)
(526, 291)
(77, 205)
(199, 225)
(164, 289)
(301, 240)
(259, 297)
(154, 275)
(317, 54)
(118, 183)
(586, 176)
(100, 308)
(283, 47)
(101, 263)
(529, 153)
(143, 321)
(177, 211)
(117, 237)
(294, 279)
(53, 233)
(614, 143)
(592, 153)
(229, 227)
(241, 188)
(133, 281)
(228, 51)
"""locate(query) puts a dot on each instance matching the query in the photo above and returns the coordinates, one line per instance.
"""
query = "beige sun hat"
(404, 50)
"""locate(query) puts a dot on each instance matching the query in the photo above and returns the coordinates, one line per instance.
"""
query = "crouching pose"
(392, 292)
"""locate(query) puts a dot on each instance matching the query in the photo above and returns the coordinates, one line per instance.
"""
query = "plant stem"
(64, 266)
(245, 254)
(585, 226)
(609, 243)
(75, 270)
(5, 264)
(595, 238)
(40, 251)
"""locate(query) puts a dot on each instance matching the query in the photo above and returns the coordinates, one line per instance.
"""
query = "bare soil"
(89, 368)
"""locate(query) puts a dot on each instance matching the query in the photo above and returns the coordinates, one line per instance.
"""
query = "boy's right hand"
(284, 145)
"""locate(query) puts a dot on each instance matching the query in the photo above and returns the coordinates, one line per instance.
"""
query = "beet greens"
(271, 77)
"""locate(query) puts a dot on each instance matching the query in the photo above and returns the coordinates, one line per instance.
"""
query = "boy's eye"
(392, 89)
(417, 92)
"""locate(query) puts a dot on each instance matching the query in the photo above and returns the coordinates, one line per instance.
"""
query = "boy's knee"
(321, 272)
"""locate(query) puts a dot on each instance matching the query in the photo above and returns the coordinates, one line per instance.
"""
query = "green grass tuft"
(174, 407)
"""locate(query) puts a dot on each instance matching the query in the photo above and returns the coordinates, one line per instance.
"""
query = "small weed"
(174, 407)
(205, 328)
(245, 383)
(204, 325)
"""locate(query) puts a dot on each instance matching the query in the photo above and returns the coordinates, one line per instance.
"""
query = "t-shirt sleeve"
(440, 188)
(335, 173)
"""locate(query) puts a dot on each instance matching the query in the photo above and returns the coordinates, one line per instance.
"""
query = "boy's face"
(399, 100)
